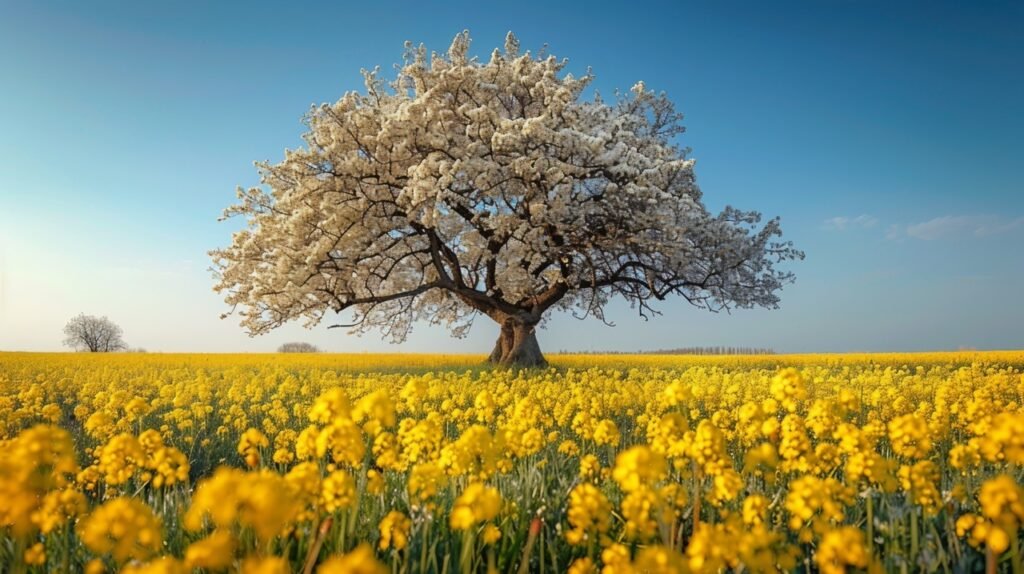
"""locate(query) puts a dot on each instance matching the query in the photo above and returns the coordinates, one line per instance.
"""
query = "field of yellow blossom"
(418, 463)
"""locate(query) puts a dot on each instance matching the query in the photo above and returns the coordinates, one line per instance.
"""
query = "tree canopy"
(466, 188)
(93, 334)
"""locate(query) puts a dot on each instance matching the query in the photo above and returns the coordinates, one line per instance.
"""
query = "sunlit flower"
(841, 549)
(394, 530)
(589, 513)
(477, 503)
(125, 528)
(215, 552)
(359, 561)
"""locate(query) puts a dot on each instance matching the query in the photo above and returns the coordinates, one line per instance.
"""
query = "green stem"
(355, 505)
(342, 529)
(1015, 565)
(66, 557)
(943, 554)
(466, 556)
(913, 535)
(871, 523)
(424, 540)
(19, 557)
(696, 497)
(542, 536)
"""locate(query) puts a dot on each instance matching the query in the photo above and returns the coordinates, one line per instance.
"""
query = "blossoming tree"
(465, 188)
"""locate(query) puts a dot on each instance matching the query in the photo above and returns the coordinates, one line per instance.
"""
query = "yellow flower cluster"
(215, 552)
(359, 561)
(394, 531)
(589, 514)
(841, 550)
(260, 500)
(124, 528)
(267, 464)
(37, 468)
(1002, 515)
(478, 503)
(249, 445)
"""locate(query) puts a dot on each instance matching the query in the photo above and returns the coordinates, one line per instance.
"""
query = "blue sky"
(886, 135)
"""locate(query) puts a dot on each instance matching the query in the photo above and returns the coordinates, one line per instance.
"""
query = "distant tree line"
(298, 348)
(717, 350)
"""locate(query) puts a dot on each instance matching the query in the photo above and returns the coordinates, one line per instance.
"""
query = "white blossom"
(465, 187)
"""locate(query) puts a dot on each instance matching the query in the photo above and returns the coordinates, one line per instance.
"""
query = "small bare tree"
(93, 334)
(298, 348)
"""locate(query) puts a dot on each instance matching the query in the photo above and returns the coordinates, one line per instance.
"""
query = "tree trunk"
(517, 346)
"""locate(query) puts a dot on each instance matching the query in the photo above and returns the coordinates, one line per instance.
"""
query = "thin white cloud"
(960, 225)
(844, 223)
(997, 227)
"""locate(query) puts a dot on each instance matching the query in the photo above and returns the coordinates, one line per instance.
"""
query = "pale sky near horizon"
(888, 138)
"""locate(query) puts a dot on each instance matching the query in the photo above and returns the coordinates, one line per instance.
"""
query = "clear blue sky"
(888, 138)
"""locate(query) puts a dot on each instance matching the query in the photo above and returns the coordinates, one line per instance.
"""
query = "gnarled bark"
(517, 345)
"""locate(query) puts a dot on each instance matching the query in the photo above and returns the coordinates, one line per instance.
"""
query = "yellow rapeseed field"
(429, 463)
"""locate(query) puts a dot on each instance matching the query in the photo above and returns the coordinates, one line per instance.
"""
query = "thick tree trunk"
(517, 346)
